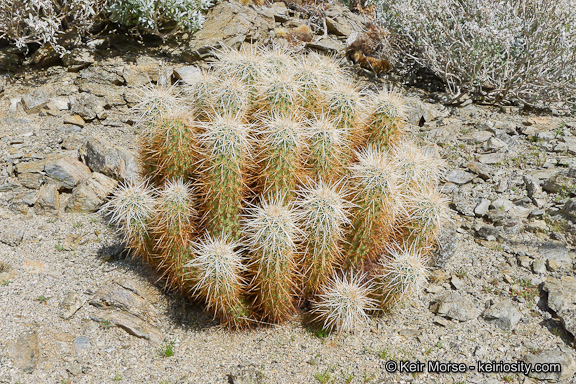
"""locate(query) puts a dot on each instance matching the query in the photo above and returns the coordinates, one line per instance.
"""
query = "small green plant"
(167, 350)
(384, 354)
(42, 299)
(78, 224)
(59, 247)
(105, 323)
(368, 377)
(314, 360)
(117, 377)
(324, 377)
(6, 282)
(347, 377)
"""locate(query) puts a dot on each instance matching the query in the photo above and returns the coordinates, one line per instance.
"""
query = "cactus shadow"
(182, 312)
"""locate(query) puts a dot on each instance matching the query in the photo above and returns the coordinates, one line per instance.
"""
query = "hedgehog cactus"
(272, 233)
(302, 187)
(216, 274)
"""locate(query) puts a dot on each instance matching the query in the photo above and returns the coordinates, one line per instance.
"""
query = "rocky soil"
(76, 309)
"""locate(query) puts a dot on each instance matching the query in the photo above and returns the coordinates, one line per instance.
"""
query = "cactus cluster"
(274, 184)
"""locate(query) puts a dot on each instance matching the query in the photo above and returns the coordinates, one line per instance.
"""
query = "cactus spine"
(386, 119)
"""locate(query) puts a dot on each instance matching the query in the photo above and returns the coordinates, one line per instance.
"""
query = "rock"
(230, 24)
(454, 305)
(502, 314)
(539, 266)
(24, 351)
(246, 374)
(74, 120)
(91, 193)
(78, 59)
(482, 207)
(457, 283)
(131, 324)
(557, 252)
(70, 305)
(458, 176)
(481, 170)
(341, 22)
(532, 186)
(502, 204)
(494, 144)
(570, 208)
(559, 183)
(326, 44)
(48, 201)
(447, 245)
(419, 112)
(31, 180)
(477, 136)
(33, 102)
(82, 344)
(69, 172)
(105, 75)
(12, 236)
(281, 13)
(74, 369)
(561, 355)
(38, 166)
(113, 161)
(87, 106)
(121, 296)
(492, 158)
(71, 242)
(488, 232)
(9, 61)
(562, 300)
(188, 74)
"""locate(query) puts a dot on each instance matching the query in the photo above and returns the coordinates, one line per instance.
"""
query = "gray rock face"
(246, 374)
(482, 208)
(131, 324)
(570, 208)
(560, 355)
(230, 24)
(342, 22)
(558, 183)
(110, 160)
(562, 300)
(91, 193)
(557, 252)
(187, 74)
(48, 201)
(12, 236)
(87, 106)
(34, 101)
(24, 351)
(455, 306)
(502, 314)
(70, 305)
(69, 172)
(492, 158)
(458, 176)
